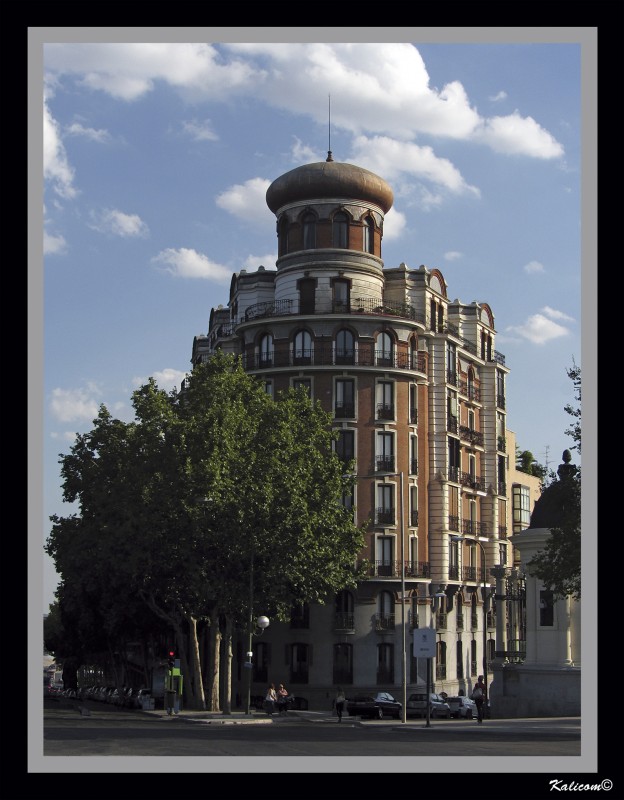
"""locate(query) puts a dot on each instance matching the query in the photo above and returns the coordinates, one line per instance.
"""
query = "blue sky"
(156, 162)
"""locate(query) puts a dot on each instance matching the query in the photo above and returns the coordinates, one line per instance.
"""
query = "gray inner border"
(587, 38)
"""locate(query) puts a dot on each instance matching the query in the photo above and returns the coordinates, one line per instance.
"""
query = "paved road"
(107, 731)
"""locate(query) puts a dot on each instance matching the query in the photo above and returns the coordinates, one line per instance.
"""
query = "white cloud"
(496, 98)
(268, 261)
(167, 379)
(74, 405)
(66, 436)
(53, 245)
(56, 168)
(394, 224)
(554, 314)
(533, 266)
(100, 135)
(539, 329)
(188, 263)
(129, 71)
(392, 158)
(113, 221)
(393, 96)
(200, 131)
(453, 255)
(247, 201)
(516, 135)
(303, 154)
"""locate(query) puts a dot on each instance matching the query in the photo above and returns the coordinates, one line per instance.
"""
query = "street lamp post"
(485, 603)
(262, 623)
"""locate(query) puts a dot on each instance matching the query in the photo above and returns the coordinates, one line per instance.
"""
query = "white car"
(462, 707)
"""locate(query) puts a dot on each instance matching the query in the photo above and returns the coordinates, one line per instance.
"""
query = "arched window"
(344, 619)
(440, 661)
(384, 350)
(340, 230)
(282, 235)
(369, 235)
(345, 347)
(460, 659)
(302, 348)
(266, 350)
(385, 612)
(309, 231)
(471, 391)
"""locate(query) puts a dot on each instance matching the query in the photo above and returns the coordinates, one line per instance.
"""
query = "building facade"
(416, 389)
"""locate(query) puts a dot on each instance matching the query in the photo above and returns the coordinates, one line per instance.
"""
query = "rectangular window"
(340, 295)
(521, 502)
(413, 455)
(344, 405)
(385, 504)
(299, 663)
(268, 388)
(384, 561)
(343, 664)
(345, 445)
(384, 461)
(413, 404)
(385, 400)
(413, 506)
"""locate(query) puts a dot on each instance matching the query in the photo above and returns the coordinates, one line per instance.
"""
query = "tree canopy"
(558, 566)
(176, 508)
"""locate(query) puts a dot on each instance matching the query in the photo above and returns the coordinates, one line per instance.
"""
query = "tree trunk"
(227, 684)
(215, 650)
(198, 683)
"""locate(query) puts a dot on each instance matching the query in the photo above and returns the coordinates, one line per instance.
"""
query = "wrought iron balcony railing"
(384, 464)
(385, 411)
(385, 516)
(500, 401)
(344, 621)
(472, 481)
(344, 410)
(470, 435)
(384, 621)
(326, 356)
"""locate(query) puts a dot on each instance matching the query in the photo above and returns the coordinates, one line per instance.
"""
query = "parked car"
(462, 707)
(417, 706)
(375, 706)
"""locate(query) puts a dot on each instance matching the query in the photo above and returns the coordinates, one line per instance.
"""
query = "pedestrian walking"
(339, 702)
(282, 702)
(479, 696)
(270, 699)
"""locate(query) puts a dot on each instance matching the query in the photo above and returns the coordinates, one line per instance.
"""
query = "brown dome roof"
(329, 179)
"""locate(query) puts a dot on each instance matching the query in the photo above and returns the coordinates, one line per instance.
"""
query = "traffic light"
(171, 659)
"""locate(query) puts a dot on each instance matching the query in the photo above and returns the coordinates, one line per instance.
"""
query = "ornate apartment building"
(416, 389)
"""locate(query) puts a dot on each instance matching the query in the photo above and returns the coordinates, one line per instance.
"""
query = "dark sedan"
(374, 706)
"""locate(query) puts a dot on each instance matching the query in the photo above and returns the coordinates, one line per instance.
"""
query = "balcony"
(469, 573)
(384, 622)
(453, 572)
(453, 523)
(502, 531)
(344, 621)
(500, 401)
(451, 377)
(451, 424)
(392, 569)
(471, 527)
(453, 474)
(470, 435)
(385, 516)
(384, 464)
(472, 481)
(416, 569)
(385, 411)
(471, 392)
(322, 355)
(344, 410)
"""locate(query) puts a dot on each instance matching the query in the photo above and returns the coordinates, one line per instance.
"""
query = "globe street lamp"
(485, 603)
(262, 622)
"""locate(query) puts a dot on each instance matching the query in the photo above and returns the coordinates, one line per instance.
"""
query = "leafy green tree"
(558, 566)
(179, 508)
(526, 462)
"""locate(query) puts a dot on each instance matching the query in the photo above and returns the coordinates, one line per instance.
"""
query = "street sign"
(424, 642)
